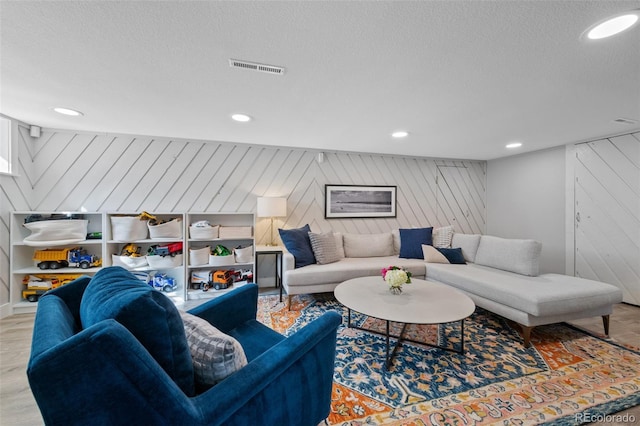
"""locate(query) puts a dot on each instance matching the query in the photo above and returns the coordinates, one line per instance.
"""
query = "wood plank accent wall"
(15, 194)
(100, 172)
(607, 212)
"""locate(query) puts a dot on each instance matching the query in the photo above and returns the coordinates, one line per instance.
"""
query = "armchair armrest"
(297, 372)
(231, 309)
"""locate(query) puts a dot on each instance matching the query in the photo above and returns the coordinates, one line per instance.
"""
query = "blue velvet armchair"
(107, 350)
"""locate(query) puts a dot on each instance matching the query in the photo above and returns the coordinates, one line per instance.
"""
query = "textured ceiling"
(463, 77)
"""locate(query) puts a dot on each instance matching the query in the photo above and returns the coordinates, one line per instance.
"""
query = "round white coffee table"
(421, 302)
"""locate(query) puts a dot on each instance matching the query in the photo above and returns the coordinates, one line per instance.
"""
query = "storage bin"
(235, 232)
(207, 233)
(199, 256)
(128, 228)
(221, 260)
(244, 255)
(129, 262)
(170, 229)
(52, 232)
(160, 262)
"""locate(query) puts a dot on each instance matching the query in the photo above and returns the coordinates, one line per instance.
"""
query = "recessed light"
(67, 111)
(243, 118)
(612, 26)
(399, 134)
(513, 145)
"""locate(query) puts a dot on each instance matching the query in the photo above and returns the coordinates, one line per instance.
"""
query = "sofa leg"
(605, 322)
(289, 297)
(526, 333)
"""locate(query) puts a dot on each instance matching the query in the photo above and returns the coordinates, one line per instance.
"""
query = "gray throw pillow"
(324, 247)
(215, 354)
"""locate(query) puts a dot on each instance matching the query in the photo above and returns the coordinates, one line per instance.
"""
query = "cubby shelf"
(22, 263)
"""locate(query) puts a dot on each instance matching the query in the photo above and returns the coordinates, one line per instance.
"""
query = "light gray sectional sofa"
(501, 275)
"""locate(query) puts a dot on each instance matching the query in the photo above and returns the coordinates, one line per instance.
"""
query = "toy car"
(170, 249)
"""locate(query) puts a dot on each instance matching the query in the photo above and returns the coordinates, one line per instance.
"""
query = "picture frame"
(359, 201)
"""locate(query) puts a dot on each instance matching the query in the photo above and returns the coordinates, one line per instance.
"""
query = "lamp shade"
(271, 207)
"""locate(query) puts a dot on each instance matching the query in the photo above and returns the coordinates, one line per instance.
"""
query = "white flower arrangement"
(396, 277)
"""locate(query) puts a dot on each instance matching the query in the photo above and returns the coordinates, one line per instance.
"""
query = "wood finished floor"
(17, 406)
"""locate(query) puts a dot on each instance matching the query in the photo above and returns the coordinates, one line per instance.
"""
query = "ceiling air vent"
(625, 121)
(254, 66)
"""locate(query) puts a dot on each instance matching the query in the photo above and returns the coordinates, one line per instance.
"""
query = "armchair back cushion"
(114, 293)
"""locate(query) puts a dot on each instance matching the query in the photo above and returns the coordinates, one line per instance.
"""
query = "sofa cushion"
(442, 236)
(339, 244)
(513, 255)
(432, 255)
(324, 247)
(215, 355)
(351, 267)
(468, 243)
(411, 241)
(368, 245)
(298, 244)
(453, 255)
(546, 294)
(154, 320)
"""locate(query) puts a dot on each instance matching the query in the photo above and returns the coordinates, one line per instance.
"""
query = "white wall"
(526, 199)
(72, 171)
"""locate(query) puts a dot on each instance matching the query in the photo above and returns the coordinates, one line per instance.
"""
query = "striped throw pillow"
(324, 247)
(442, 236)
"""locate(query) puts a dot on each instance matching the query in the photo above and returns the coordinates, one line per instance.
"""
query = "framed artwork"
(359, 201)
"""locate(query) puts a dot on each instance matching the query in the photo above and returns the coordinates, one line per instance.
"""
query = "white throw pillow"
(339, 244)
(368, 245)
(432, 255)
(324, 247)
(215, 354)
(442, 236)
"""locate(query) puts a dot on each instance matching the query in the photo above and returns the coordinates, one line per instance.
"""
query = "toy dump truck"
(62, 258)
(205, 280)
(39, 284)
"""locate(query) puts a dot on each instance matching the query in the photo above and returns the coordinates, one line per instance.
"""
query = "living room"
(138, 145)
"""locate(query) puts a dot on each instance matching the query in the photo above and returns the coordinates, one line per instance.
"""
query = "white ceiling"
(463, 77)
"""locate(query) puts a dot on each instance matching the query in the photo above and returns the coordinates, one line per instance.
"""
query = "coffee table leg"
(349, 317)
(388, 363)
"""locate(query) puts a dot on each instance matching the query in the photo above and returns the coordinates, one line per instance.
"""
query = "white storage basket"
(199, 256)
(51, 232)
(170, 229)
(160, 262)
(206, 233)
(128, 228)
(244, 255)
(129, 262)
(221, 260)
(235, 232)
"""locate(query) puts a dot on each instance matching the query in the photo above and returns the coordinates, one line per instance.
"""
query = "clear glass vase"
(395, 290)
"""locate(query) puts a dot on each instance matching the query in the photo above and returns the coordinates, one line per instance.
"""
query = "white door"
(607, 213)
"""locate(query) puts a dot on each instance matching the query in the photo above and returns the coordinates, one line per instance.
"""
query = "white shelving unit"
(22, 263)
(224, 220)
(176, 271)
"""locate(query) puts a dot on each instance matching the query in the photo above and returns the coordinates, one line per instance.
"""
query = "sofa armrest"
(231, 309)
(288, 264)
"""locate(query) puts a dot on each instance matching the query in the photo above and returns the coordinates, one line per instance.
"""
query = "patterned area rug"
(566, 377)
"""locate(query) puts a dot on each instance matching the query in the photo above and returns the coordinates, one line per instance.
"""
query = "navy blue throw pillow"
(411, 241)
(453, 255)
(298, 244)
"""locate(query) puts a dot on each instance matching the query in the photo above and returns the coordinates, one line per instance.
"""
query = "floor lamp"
(271, 207)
